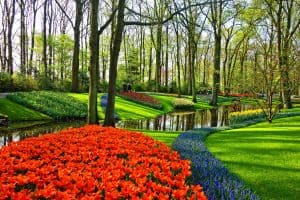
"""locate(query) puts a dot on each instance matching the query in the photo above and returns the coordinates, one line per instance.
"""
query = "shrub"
(23, 83)
(5, 82)
(94, 162)
(55, 104)
(181, 103)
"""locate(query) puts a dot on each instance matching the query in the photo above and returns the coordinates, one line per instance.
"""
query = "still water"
(174, 121)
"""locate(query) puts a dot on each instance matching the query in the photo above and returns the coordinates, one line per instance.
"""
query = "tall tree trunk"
(44, 58)
(150, 65)
(76, 48)
(11, 17)
(216, 9)
(158, 58)
(110, 109)
(22, 38)
(167, 57)
(94, 49)
(30, 68)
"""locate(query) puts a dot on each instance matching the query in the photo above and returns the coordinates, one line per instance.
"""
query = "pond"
(174, 121)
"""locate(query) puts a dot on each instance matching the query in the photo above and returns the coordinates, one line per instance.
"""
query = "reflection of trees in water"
(214, 117)
(186, 121)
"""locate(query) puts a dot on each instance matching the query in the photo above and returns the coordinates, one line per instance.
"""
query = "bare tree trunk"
(76, 49)
(110, 109)
(11, 17)
(94, 49)
(44, 58)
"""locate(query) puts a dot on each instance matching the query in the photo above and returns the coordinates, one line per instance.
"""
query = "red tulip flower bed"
(94, 162)
(141, 98)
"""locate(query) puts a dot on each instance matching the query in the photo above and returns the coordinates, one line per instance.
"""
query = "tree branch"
(138, 23)
(102, 28)
(68, 17)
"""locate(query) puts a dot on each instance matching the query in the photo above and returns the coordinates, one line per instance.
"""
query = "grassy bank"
(266, 156)
(165, 137)
(16, 112)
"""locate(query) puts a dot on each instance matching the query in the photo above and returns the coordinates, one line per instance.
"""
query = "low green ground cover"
(55, 104)
(163, 136)
(16, 112)
(266, 156)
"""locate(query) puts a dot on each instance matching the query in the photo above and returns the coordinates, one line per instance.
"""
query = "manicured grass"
(84, 97)
(131, 110)
(16, 112)
(266, 156)
(163, 136)
(124, 108)
(166, 101)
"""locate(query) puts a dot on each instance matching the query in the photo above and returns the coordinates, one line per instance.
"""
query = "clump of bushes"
(55, 104)
(181, 103)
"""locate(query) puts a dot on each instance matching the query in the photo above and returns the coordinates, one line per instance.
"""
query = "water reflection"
(182, 121)
(7, 136)
(175, 121)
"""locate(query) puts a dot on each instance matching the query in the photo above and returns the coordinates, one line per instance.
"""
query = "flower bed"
(237, 94)
(239, 117)
(180, 103)
(141, 98)
(94, 162)
(55, 104)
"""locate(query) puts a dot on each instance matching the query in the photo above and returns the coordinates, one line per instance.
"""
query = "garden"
(154, 100)
(109, 163)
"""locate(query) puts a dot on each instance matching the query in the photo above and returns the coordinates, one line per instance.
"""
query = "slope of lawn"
(131, 110)
(165, 100)
(83, 97)
(58, 105)
(163, 136)
(16, 112)
(124, 108)
(266, 156)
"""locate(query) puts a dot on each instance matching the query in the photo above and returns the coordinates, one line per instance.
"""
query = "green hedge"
(55, 104)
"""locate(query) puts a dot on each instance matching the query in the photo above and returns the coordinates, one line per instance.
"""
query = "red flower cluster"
(141, 98)
(237, 94)
(94, 162)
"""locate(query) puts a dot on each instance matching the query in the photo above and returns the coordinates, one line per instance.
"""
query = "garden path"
(3, 95)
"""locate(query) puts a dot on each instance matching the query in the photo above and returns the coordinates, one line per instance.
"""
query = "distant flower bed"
(94, 162)
(240, 117)
(55, 104)
(141, 98)
(181, 103)
(237, 94)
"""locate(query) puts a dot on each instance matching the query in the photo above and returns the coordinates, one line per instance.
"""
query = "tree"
(109, 113)
(76, 50)
(94, 49)
(285, 16)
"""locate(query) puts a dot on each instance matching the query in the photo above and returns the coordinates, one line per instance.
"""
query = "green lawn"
(83, 97)
(16, 112)
(165, 100)
(266, 156)
(165, 137)
(124, 108)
